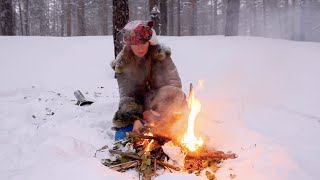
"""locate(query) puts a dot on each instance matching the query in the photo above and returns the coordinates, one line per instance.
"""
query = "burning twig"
(215, 155)
(190, 90)
(160, 139)
(133, 156)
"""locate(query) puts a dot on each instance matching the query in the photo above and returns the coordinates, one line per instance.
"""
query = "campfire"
(147, 152)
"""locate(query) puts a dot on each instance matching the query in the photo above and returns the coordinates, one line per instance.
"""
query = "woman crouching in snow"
(148, 80)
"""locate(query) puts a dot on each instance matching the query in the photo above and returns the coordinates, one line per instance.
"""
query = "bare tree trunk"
(171, 20)
(26, 17)
(277, 10)
(146, 11)
(69, 17)
(303, 14)
(155, 14)
(132, 9)
(81, 18)
(179, 18)
(223, 16)
(194, 25)
(232, 23)
(55, 20)
(42, 16)
(163, 17)
(135, 12)
(63, 16)
(7, 21)
(305, 21)
(215, 17)
(293, 19)
(105, 17)
(264, 3)
(249, 18)
(21, 20)
(120, 19)
(286, 30)
(276, 21)
(254, 29)
(211, 16)
(202, 29)
(48, 18)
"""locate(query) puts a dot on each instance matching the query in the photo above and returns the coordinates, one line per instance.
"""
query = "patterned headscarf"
(137, 32)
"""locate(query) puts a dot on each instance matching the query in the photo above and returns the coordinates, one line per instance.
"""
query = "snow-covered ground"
(260, 100)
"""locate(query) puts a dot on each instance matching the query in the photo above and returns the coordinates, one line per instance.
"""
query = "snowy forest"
(284, 19)
(224, 90)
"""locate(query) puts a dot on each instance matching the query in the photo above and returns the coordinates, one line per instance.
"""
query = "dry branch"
(134, 156)
(124, 166)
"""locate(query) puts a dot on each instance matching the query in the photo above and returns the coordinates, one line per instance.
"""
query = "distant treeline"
(285, 19)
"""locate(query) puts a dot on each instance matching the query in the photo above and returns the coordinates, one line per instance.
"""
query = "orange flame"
(149, 146)
(189, 140)
(147, 149)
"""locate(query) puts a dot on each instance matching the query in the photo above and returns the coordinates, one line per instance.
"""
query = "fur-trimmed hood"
(157, 53)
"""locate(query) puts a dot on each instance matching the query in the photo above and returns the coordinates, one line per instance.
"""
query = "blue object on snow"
(121, 133)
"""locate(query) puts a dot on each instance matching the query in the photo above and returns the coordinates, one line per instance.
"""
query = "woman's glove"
(124, 118)
(129, 110)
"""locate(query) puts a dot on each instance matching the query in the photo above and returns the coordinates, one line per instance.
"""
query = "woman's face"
(140, 50)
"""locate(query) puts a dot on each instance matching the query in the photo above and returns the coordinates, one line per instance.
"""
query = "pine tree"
(232, 23)
(163, 17)
(7, 21)
(120, 19)
(81, 18)
(155, 14)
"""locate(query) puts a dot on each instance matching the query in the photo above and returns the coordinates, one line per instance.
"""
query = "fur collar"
(156, 53)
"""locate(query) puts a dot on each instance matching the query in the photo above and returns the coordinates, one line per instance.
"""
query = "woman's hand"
(137, 126)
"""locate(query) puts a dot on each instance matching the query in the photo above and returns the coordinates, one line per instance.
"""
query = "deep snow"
(260, 100)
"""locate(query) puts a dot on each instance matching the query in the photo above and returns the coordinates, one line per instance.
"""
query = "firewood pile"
(152, 155)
